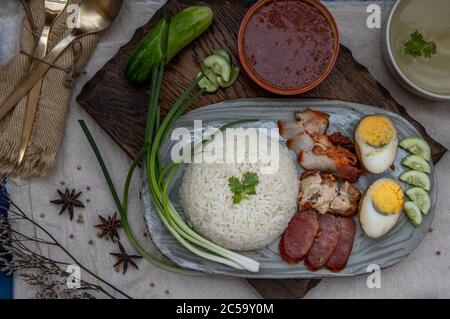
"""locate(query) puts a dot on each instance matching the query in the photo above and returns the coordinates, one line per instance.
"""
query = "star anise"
(109, 227)
(68, 200)
(125, 259)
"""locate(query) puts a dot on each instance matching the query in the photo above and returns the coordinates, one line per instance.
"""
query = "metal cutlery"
(94, 16)
(53, 9)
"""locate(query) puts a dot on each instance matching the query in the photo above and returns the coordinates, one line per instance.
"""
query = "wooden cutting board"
(120, 108)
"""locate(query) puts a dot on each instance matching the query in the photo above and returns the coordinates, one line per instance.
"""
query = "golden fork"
(53, 9)
(94, 16)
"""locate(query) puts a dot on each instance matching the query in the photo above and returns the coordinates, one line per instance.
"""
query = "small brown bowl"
(270, 86)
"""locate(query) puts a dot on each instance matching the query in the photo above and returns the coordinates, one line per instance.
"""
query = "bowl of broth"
(417, 47)
(288, 47)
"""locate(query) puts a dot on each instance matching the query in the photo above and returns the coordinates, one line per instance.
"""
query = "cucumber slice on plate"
(206, 84)
(416, 178)
(416, 163)
(413, 213)
(417, 146)
(224, 53)
(219, 65)
(420, 198)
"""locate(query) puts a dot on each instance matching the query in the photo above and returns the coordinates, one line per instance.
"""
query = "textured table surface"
(422, 274)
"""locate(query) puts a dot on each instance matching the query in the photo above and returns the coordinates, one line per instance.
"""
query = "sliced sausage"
(325, 244)
(339, 259)
(299, 236)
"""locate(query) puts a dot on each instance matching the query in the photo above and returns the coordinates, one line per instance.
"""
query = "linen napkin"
(55, 95)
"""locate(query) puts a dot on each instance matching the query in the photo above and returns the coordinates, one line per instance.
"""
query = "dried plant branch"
(48, 273)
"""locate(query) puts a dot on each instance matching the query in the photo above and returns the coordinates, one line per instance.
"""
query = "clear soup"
(432, 20)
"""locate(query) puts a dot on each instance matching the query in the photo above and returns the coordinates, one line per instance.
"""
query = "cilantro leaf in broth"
(241, 189)
(417, 46)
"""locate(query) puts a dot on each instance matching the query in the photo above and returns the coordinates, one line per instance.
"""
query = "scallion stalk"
(123, 213)
(159, 179)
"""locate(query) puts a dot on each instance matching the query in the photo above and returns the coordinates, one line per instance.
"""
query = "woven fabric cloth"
(53, 105)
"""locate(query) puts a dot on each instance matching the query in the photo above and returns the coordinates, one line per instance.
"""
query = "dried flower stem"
(21, 252)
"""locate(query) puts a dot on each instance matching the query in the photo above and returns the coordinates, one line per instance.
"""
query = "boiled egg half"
(376, 143)
(381, 207)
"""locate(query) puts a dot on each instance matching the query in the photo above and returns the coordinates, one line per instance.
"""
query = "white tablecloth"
(422, 274)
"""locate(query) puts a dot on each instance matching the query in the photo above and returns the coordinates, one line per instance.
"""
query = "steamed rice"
(251, 224)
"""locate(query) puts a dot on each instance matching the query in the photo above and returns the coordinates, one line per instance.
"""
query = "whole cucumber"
(148, 53)
(185, 26)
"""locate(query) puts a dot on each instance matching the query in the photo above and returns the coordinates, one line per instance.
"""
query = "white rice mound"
(251, 224)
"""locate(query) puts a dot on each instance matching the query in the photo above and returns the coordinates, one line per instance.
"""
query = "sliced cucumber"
(206, 84)
(413, 213)
(224, 53)
(234, 75)
(219, 65)
(417, 146)
(212, 77)
(416, 178)
(420, 198)
(416, 163)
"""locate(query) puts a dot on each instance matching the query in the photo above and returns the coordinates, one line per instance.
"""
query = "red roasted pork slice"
(325, 244)
(299, 236)
(339, 259)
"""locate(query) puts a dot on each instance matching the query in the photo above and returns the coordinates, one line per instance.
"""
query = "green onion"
(158, 185)
(123, 211)
(159, 179)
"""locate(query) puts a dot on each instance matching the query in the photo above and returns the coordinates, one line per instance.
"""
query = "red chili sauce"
(289, 44)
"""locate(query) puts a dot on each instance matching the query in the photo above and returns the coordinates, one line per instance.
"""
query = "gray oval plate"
(344, 116)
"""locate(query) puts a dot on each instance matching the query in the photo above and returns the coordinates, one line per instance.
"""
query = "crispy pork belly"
(320, 191)
(312, 161)
(289, 130)
(301, 142)
(336, 164)
(318, 151)
(313, 121)
(338, 139)
(322, 140)
(309, 121)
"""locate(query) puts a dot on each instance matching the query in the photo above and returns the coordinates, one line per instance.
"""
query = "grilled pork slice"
(317, 190)
(347, 202)
(299, 236)
(320, 191)
(339, 259)
(325, 244)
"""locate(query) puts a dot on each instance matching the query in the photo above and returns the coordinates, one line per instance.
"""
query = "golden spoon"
(53, 9)
(94, 16)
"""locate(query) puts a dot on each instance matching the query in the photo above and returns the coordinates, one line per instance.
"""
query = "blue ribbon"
(6, 281)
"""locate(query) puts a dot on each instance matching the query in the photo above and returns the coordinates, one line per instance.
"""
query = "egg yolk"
(388, 197)
(376, 130)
